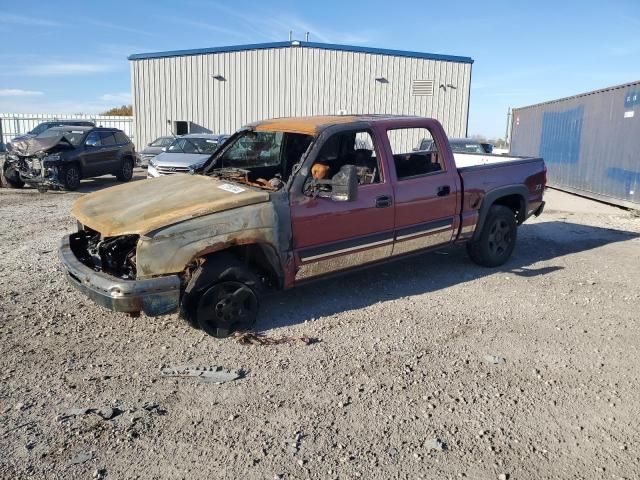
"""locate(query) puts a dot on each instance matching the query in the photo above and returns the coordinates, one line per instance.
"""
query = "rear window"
(414, 152)
(107, 138)
(466, 147)
(161, 142)
(121, 138)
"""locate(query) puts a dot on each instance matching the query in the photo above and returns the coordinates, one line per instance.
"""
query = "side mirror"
(344, 184)
(164, 149)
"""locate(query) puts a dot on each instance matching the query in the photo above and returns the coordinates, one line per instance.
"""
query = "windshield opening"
(74, 137)
(263, 159)
(41, 128)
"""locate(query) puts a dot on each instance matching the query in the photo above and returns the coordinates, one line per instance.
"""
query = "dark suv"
(61, 156)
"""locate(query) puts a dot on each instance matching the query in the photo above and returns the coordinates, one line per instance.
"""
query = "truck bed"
(465, 160)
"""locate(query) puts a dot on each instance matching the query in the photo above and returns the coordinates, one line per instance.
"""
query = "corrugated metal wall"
(295, 81)
(590, 142)
(14, 124)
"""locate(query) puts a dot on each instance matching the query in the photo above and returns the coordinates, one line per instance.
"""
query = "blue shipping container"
(590, 142)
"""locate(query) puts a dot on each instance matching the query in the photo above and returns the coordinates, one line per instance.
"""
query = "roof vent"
(422, 88)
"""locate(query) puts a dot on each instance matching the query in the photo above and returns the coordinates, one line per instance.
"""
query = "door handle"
(444, 190)
(383, 201)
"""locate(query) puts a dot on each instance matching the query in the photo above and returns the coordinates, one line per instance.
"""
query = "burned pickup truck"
(60, 157)
(291, 200)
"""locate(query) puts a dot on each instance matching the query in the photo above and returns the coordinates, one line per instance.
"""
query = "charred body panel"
(170, 249)
(156, 296)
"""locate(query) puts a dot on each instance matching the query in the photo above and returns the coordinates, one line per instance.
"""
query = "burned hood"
(27, 146)
(147, 205)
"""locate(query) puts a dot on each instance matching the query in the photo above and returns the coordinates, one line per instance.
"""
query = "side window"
(121, 138)
(107, 138)
(414, 152)
(93, 139)
(354, 147)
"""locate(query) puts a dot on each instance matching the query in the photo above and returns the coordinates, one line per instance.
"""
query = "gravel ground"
(426, 368)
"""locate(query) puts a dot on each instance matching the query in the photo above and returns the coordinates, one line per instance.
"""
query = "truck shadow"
(432, 271)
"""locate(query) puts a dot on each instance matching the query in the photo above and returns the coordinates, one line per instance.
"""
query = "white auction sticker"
(629, 114)
(231, 188)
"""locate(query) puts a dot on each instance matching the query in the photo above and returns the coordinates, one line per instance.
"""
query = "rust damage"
(305, 125)
(155, 203)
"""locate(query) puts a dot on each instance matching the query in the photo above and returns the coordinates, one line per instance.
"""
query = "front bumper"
(152, 172)
(155, 296)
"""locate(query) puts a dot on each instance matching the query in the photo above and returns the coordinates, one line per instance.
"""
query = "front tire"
(71, 177)
(12, 177)
(222, 297)
(497, 239)
(126, 170)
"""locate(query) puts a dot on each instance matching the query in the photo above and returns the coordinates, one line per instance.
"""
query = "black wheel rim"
(227, 307)
(72, 177)
(500, 237)
(127, 169)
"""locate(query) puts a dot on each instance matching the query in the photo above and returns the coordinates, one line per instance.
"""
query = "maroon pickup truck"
(289, 200)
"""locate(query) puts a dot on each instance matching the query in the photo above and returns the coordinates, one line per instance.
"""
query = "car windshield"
(466, 147)
(161, 142)
(73, 136)
(193, 145)
(41, 128)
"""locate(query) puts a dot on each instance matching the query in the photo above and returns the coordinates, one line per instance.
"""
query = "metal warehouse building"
(220, 89)
(590, 142)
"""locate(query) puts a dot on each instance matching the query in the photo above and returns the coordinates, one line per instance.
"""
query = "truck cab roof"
(314, 125)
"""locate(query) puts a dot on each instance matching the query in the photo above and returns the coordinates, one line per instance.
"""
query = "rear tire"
(71, 177)
(497, 239)
(126, 170)
(222, 297)
(11, 177)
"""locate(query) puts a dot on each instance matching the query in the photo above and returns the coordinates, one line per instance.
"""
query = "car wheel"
(222, 297)
(126, 170)
(71, 177)
(497, 239)
(12, 177)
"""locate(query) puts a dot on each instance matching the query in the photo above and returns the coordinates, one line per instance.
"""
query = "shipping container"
(590, 142)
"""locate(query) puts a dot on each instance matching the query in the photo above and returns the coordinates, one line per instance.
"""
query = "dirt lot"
(398, 385)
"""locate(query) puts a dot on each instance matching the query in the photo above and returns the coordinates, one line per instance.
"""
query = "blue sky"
(71, 57)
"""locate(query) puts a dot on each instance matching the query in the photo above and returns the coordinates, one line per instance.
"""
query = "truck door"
(425, 188)
(330, 236)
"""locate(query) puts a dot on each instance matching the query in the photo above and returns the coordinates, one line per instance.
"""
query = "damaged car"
(60, 157)
(291, 200)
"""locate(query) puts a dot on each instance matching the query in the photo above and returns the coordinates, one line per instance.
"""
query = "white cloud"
(115, 26)
(121, 97)
(18, 92)
(9, 18)
(56, 69)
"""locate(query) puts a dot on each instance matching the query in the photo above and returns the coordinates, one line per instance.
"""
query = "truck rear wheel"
(222, 297)
(497, 239)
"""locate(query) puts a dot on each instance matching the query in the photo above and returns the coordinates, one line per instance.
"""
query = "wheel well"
(515, 203)
(261, 258)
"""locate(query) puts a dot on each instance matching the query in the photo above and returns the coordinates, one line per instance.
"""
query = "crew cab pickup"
(289, 200)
